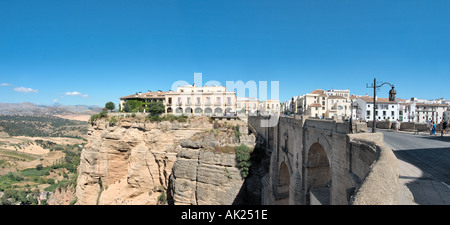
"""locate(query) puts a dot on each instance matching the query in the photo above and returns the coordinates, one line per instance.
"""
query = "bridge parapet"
(325, 163)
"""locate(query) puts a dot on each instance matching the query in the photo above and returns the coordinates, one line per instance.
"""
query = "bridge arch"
(282, 187)
(318, 175)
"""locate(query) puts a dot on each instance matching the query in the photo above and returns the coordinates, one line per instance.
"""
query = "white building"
(190, 100)
(270, 107)
(386, 110)
(201, 100)
(325, 104)
(247, 105)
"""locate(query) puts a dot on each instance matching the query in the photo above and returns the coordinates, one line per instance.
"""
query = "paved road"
(424, 167)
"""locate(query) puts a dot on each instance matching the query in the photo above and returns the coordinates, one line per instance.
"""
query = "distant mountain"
(64, 111)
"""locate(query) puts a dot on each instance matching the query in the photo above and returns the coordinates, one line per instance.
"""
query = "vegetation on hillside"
(168, 117)
(243, 159)
(25, 186)
(42, 126)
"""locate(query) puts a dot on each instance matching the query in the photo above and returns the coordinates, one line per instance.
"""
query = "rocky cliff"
(131, 162)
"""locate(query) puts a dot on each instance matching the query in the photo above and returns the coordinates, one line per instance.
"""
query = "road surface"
(424, 167)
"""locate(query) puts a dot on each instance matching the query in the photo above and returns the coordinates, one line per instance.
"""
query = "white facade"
(325, 104)
(386, 110)
(247, 105)
(201, 100)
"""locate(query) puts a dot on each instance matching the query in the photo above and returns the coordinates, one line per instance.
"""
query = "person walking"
(397, 125)
(433, 128)
(443, 127)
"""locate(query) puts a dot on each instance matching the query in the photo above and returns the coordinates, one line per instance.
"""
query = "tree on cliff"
(110, 106)
(156, 108)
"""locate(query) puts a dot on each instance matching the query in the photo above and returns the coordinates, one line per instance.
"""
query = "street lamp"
(392, 94)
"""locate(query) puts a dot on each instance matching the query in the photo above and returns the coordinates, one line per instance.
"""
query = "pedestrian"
(397, 125)
(428, 125)
(443, 127)
(433, 129)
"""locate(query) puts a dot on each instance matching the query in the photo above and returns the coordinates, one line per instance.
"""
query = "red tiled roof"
(317, 91)
(379, 100)
(147, 95)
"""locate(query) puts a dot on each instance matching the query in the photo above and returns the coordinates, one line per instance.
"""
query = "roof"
(147, 95)
(317, 91)
(379, 100)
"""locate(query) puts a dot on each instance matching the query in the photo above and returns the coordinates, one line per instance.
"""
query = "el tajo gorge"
(321, 162)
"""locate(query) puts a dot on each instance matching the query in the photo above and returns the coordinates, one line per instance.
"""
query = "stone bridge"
(311, 161)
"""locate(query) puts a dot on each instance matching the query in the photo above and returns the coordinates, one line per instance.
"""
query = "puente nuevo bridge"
(322, 162)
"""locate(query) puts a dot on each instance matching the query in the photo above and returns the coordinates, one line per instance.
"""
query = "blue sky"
(91, 52)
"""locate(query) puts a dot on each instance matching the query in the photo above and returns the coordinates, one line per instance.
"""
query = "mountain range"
(75, 112)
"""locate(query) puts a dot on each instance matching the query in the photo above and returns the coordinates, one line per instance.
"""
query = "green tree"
(110, 106)
(243, 159)
(156, 108)
(133, 106)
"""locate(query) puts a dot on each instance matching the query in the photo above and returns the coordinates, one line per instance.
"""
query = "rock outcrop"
(206, 172)
(132, 161)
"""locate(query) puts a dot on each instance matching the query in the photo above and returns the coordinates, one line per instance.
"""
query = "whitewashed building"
(386, 110)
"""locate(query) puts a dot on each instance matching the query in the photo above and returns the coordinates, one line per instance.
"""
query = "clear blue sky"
(89, 52)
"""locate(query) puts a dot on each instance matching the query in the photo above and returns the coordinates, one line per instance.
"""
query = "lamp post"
(392, 94)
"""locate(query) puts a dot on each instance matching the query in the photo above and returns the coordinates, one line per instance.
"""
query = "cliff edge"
(136, 161)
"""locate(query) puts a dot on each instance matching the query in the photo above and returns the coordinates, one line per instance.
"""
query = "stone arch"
(218, 111)
(169, 109)
(179, 110)
(188, 110)
(318, 175)
(208, 111)
(282, 192)
(228, 110)
(198, 111)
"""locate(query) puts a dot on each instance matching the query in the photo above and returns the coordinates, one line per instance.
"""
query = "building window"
(218, 101)
(368, 113)
(392, 113)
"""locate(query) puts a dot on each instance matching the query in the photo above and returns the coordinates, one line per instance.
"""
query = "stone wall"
(377, 169)
(326, 163)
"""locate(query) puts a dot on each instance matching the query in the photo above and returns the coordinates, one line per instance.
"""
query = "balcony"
(208, 104)
(217, 104)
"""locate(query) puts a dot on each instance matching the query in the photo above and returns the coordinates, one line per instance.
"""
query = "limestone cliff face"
(131, 163)
(205, 172)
